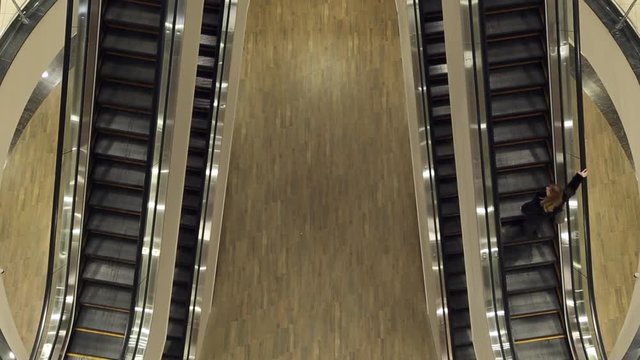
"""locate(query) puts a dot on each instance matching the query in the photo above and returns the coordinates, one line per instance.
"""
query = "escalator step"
(90, 344)
(178, 312)
(446, 168)
(116, 199)
(512, 232)
(520, 129)
(457, 282)
(179, 295)
(439, 91)
(452, 245)
(187, 237)
(444, 149)
(173, 349)
(506, 4)
(514, 51)
(526, 154)
(206, 64)
(510, 207)
(513, 23)
(182, 275)
(436, 50)
(104, 295)
(460, 319)
(196, 161)
(449, 207)
(127, 149)
(204, 84)
(135, 44)
(448, 188)
(462, 337)
(193, 181)
(438, 70)
(454, 265)
(175, 329)
(189, 219)
(200, 123)
(441, 112)
(133, 15)
(132, 70)
(132, 98)
(518, 104)
(110, 120)
(103, 222)
(514, 77)
(198, 141)
(450, 226)
(91, 318)
(555, 349)
(539, 301)
(191, 200)
(433, 27)
(464, 351)
(531, 280)
(536, 326)
(210, 41)
(109, 272)
(528, 255)
(185, 257)
(442, 130)
(108, 248)
(458, 301)
(115, 173)
(523, 181)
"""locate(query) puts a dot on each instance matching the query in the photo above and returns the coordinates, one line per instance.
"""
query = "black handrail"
(68, 44)
(583, 164)
(493, 174)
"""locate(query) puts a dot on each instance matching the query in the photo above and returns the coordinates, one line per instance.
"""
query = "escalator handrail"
(217, 105)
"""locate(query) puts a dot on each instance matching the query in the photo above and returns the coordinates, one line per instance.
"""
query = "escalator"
(437, 88)
(194, 187)
(516, 68)
(124, 119)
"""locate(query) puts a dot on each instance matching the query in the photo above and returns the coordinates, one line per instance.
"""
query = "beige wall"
(8, 12)
(602, 51)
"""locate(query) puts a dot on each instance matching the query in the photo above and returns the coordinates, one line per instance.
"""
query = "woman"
(547, 204)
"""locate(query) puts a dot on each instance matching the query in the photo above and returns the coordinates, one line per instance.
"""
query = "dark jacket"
(533, 208)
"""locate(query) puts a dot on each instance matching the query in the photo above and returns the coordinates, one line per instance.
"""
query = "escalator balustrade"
(194, 188)
(119, 166)
(435, 64)
(514, 41)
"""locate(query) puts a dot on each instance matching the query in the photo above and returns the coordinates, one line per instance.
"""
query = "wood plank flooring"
(614, 206)
(320, 254)
(26, 196)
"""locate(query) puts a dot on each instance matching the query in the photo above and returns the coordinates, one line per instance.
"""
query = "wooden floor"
(614, 206)
(25, 216)
(320, 254)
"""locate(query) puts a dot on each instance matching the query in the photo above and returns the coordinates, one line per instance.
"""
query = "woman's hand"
(583, 173)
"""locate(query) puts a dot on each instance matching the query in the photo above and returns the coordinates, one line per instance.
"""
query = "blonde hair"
(553, 200)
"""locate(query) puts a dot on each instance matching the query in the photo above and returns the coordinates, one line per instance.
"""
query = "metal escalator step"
(520, 129)
(531, 280)
(452, 245)
(460, 319)
(534, 302)
(200, 123)
(435, 50)
(178, 311)
(173, 349)
(130, 43)
(128, 97)
(444, 149)
(434, 27)
(535, 254)
(445, 168)
(512, 233)
(555, 349)
(102, 320)
(206, 64)
(127, 149)
(204, 84)
(518, 104)
(461, 338)
(175, 329)
(449, 207)
(179, 295)
(536, 326)
(448, 188)
(454, 265)
(464, 352)
(515, 51)
(442, 130)
(133, 14)
(507, 4)
(450, 226)
(182, 275)
(191, 200)
(196, 161)
(90, 344)
(456, 282)
(189, 219)
(109, 272)
(438, 70)
(510, 207)
(459, 301)
(193, 181)
(187, 237)
(132, 70)
(198, 141)
(523, 181)
(202, 105)
(117, 173)
(513, 23)
(108, 248)
(211, 22)
(208, 40)
(116, 199)
(514, 77)
(105, 295)
(523, 154)
(185, 257)
(104, 222)
(123, 122)
(441, 112)
(439, 91)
